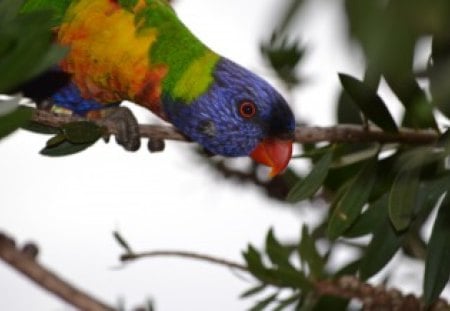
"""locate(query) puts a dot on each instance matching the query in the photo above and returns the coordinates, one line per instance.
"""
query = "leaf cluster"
(387, 192)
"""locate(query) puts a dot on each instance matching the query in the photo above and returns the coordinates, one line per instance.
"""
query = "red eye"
(247, 109)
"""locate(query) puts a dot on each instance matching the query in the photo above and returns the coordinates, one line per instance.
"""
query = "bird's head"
(239, 115)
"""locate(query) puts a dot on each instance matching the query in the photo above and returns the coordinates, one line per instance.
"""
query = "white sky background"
(170, 200)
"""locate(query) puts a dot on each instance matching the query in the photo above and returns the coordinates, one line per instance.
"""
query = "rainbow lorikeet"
(139, 50)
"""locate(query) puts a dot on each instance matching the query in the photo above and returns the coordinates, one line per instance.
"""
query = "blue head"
(237, 113)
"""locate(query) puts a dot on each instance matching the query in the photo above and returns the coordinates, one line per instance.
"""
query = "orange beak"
(274, 153)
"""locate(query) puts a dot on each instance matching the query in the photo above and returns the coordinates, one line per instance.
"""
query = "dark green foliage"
(26, 49)
(13, 117)
(307, 187)
(73, 138)
(281, 273)
(284, 57)
(347, 207)
(369, 102)
(437, 266)
(388, 196)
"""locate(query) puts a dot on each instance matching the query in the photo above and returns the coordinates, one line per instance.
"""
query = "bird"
(140, 51)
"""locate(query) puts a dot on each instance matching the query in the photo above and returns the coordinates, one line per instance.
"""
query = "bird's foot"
(125, 125)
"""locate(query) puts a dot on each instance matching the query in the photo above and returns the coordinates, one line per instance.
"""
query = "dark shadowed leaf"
(370, 219)
(347, 111)
(289, 277)
(437, 264)
(402, 198)
(383, 246)
(40, 128)
(308, 253)
(331, 303)
(307, 187)
(64, 148)
(348, 207)
(369, 102)
(11, 121)
(349, 269)
(82, 132)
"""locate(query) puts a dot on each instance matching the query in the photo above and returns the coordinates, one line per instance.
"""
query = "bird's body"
(138, 50)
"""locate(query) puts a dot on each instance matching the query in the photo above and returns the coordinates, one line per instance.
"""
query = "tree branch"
(183, 254)
(24, 262)
(346, 287)
(303, 134)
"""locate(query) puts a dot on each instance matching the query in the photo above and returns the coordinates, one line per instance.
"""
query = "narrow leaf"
(307, 187)
(383, 246)
(437, 264)
(278, 254)
(370, 219)
(82, 132)
(253, 291)
(308, 253)
(369, 102)
(63, 149)
(40, 128)
(402, 198)
(11, 121)
(261, 305)
(349, 205)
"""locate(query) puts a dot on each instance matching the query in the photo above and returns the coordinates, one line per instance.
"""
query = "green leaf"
(278, 254)
(437, 264)
(284, 303)
(383, 246)
(331, 303)
(347, 111)
(64, 148)
(369, 102)
(349, 205)
(28, 50)
(40, 128)
(307, 187)
(308, 253)
(255, 265)
(289, 277)
(402, 198)
(82, 132)
(13, 120)
(261, 305)
(370, 219)
(253, 291)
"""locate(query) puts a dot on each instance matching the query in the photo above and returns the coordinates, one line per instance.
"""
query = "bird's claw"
(127, 127)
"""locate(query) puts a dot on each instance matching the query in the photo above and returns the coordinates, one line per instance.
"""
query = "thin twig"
(346, 287)
(24, 262)
(303, 134)
(183, 254)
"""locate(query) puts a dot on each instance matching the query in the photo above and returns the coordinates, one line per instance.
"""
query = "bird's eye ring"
(247, 109)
